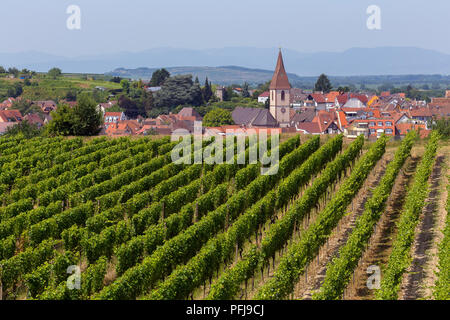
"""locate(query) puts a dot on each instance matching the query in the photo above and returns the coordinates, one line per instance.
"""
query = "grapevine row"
(400, 259)
(299, 253)
(340, 269)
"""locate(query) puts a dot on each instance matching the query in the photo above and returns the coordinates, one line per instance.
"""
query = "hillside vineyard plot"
(118, 219)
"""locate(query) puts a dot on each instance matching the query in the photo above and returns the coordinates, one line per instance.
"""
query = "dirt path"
(418, 279)
(313, 278)
(378, 251)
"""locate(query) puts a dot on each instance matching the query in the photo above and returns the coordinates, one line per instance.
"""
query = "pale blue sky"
(135, 25)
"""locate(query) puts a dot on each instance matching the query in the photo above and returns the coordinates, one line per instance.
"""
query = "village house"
(10, 116)
(253, 117)
(103, 107)
(263, 97)
(123, 128)
(114, 117)
(47, 106)
(33, 118)
(7, 104)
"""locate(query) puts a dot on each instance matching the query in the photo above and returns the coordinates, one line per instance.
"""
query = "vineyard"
(117, 219)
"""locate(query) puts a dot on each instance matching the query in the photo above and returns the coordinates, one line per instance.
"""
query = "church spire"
(280, 79)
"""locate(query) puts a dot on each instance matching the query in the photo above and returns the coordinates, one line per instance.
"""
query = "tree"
(207, 91)
(25, 128)
(245, 93)
(147, 102)
(343, 90)
(217, 117)
(2, 70)
(178, 90)
(13, 71)
(54, 73)
(129, 106)
(125, 85)
(323, 84)
(115, 79)
(443, 127)
(87, 119)
(15, 90)
(83, 120)
(159, 77)
(62, 121)
(71, 95)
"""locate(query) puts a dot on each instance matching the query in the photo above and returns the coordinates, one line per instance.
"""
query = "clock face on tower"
(283, 110)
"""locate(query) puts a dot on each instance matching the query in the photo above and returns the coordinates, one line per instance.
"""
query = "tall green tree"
(15, 90)
(178, 90)
(323, 84)
(54, 73)
(125, 84)
(87, 120)
(245, 93)
(207, 91)
(62, 121)
(82, 120)
(159, 77)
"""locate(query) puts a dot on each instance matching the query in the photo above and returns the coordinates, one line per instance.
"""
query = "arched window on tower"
(282, 95)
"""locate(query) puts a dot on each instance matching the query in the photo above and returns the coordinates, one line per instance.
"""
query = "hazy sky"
(135, 25)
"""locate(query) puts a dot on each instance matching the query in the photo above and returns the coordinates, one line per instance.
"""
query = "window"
(282, 96)
(380, 123)
(372, 131)
(372, 124)
(388, 124)
(388, 131)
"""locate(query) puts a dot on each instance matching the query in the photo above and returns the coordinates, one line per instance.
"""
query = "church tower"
(280, 94)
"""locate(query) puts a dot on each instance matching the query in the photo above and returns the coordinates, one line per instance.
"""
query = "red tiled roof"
(422, 112)
(319, 98)
(113, 114)
(331, 96)
(342, 99)
(10, 115)
(361, 97)
(342, 119)
(310, 127)
(265, 94)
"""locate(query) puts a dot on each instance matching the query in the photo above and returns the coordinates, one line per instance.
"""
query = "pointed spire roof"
(280, 79)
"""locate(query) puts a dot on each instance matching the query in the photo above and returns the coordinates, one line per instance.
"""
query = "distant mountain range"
(355, 61)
